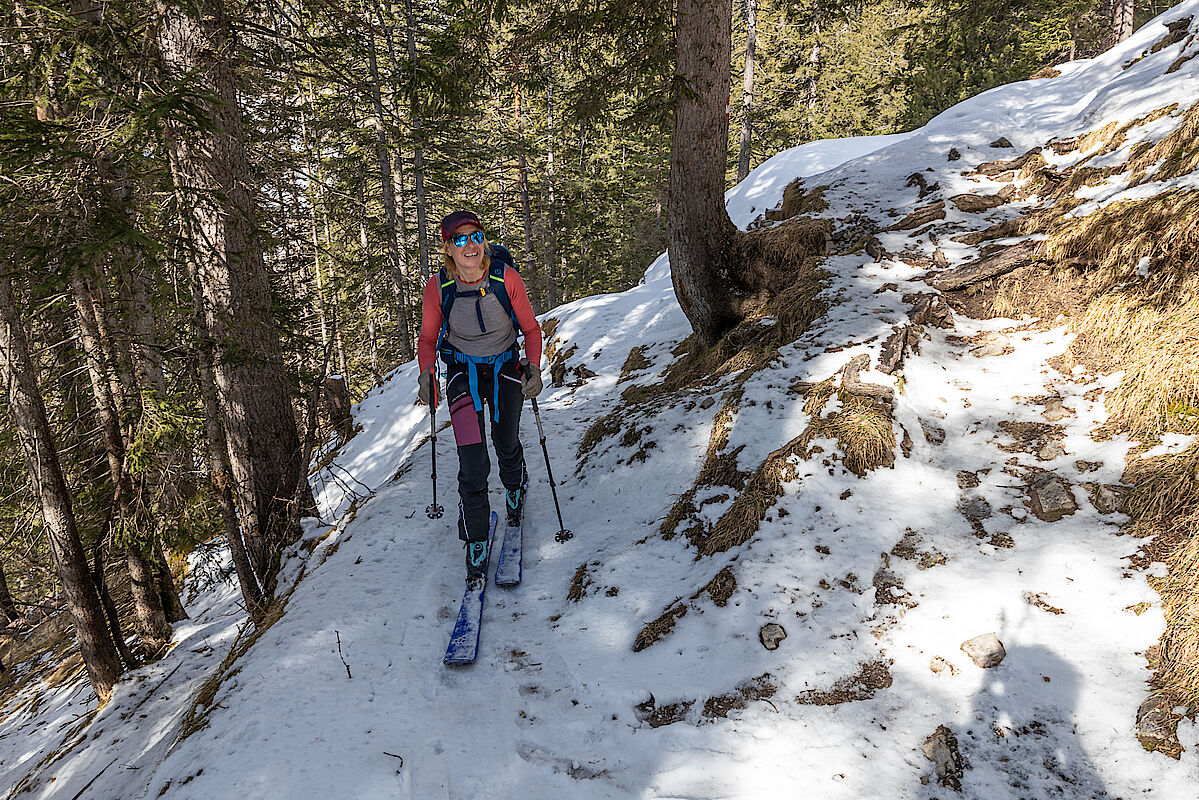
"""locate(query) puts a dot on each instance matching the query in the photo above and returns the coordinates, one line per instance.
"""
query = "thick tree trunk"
(700, 231)
(33, 431)
(745, 146)
(1122, 16)
(211, 174)
(390, 227)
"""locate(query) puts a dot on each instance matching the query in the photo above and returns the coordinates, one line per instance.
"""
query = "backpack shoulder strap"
(496, 280)
(448, 288)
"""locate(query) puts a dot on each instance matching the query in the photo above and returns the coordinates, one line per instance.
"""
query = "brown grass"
(197, 716)
(578, 584)
(635, 362)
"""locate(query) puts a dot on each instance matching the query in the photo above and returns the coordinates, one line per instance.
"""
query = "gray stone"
(974, 508)
(1051, 449)
(1157, 724)
(1055, 410)
(1050, 497)
(1109, 499)
(707, 402)
(941, 748)
(986, 651)
(771, 635)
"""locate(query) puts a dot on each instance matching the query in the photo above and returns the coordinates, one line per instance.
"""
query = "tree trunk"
(418, 156)
(1122, 16)
(8, 609)
(551, 249)
(368, 286)
(745, 146)
(392, 247)
(110, 608)
(29, 418)
(151, 621)
(699, 229)
(211, 174)
(172, 605)
(814, 65)
(522, 179)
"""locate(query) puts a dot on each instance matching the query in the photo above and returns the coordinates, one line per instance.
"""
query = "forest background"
(361, 124)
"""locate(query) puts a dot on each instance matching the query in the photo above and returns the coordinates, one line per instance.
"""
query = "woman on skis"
(472, 310)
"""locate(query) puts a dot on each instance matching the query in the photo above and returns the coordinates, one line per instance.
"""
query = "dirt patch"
(759, 688)
(871, 677)
(1030, 437)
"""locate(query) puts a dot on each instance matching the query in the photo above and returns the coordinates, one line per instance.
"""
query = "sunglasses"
(460, 239)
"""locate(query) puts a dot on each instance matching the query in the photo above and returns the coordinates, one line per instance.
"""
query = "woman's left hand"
(530, 379)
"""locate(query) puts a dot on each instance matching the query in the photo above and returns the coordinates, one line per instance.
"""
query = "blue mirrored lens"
(476, 237)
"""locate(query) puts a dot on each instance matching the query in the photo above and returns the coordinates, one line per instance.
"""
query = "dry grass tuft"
(197, 715)
(635, 362)
(663, 625)
(578, 584)
(872, 676)
(759, 688)
(1157, 347)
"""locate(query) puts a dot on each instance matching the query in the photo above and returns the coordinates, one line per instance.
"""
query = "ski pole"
(563, 534)
(434, 511)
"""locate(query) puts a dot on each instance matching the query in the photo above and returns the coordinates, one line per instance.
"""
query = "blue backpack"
(500, 258)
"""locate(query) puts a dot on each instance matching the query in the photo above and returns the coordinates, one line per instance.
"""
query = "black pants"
(474, 465)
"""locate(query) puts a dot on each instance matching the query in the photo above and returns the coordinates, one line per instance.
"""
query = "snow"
(346, 695)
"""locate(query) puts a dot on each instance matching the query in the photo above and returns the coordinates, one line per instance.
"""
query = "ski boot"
(476, 561)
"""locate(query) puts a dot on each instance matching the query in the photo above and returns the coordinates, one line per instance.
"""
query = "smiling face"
(469, 257)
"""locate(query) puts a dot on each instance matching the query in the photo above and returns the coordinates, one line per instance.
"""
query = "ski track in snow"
(549, 708)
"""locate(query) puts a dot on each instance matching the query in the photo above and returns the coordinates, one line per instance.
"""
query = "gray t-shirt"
(494, 336)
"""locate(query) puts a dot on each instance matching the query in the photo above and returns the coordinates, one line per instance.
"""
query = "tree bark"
(148, 611)
(33, 431)
(390, 227)
(551, 249)
(522, 179)
(418, 156)
(745, 147)
(700, 232)
(211, 174)
(1122, 17)
(8, 609)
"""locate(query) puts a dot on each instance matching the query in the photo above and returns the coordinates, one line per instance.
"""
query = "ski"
(507, 572)
(464, 641)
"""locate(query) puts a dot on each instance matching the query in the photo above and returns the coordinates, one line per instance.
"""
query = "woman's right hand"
(427, 388)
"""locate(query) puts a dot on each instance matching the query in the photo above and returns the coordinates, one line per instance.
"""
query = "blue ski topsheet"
(464, 641)
(507, 573)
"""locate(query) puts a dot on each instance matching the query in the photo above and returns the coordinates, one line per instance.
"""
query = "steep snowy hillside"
(772, 492)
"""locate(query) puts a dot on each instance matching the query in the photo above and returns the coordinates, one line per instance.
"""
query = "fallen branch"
(989, 266)
(851, 383)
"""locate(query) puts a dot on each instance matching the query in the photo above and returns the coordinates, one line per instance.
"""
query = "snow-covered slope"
(871, 578)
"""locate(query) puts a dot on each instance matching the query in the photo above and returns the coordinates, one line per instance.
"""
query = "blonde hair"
(451, 267)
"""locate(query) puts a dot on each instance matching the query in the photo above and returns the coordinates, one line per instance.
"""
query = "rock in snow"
(941, 748)
(771, 635)
(986, 650)
(1050, 497)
